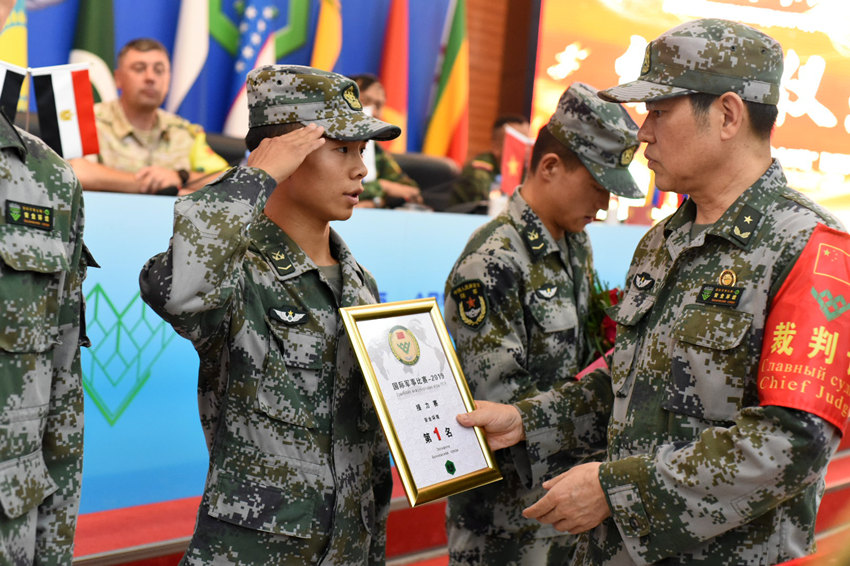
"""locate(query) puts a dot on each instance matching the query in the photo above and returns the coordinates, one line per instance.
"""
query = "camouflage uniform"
(42, 265)
(697, 471)
(516, 304)
(174, 143)
(476, 179)
(299, 470)
(386, 168)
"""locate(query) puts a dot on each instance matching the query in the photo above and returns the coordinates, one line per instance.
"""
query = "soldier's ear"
(548, 165)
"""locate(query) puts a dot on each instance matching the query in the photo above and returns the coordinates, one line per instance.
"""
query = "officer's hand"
(153, 178)
(502, 424)
(282, 155)
(575, 501)
(400, 190)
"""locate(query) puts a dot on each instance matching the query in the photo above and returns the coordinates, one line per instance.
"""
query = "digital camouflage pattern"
(602, 135)
(42, 265)
(708, 55)
(476, 179)
(173, 143)
(299, 468)
(697, 472)
(516, 301)
(385, 168)
(285, 94)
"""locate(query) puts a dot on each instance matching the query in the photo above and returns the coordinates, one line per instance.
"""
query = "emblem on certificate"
(418, 388)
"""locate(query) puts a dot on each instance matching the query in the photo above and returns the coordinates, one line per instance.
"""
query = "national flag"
(13, 46)
(94, 44)
(256, 48)
(328, 41)
(66, 109)
(191, 46)
(447, 133)
(394, 73)
(12, 79)
(514, 151)
(807, 332)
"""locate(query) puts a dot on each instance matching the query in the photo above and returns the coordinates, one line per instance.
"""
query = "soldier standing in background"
(714, 457)
(42, 265)
(254, 277)
(516, 304)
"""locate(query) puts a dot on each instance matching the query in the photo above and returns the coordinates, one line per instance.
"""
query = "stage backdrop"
(143, 438)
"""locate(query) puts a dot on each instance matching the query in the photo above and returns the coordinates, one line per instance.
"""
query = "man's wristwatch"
(184, 176)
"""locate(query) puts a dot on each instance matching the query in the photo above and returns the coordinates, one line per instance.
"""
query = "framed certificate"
(418, 388)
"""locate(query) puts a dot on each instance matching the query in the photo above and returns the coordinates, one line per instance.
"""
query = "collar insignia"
(281, 263)
(534, 241)
(288, 314)
(643, 281)
(745, 224)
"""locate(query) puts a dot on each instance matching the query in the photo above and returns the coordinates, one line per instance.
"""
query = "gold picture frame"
(435, 456)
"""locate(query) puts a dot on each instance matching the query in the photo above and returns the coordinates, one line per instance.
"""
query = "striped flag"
(12, 78)
(394, 73)
(447, 132)
(94, 45)
(191, 47)
(13, 47)
(63, 94)
(328, 41)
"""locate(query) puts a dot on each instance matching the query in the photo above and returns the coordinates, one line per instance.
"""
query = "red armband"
(805, 357)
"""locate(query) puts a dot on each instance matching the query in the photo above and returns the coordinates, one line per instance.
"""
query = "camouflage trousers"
(467, 548)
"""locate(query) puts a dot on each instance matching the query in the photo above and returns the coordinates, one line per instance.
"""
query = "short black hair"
(545, 143)
(509, 119)
(142, 44)
(365, 80)
(762, 116)
(256, 134)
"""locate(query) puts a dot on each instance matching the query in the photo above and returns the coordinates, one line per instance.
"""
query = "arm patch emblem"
(471, 303)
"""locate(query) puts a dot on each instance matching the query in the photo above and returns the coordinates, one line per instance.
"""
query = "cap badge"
(727, 278)
(350, 96)
(645, 67)
(627, 155)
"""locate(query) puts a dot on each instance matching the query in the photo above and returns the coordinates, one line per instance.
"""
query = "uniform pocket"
(31, 272)
(556, 314)
(249, 504)
(24, 483)
(627, 314)
(706, 344)
(289, 386)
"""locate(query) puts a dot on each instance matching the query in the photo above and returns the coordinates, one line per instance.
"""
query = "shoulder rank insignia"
(534, 240)
(643, 281)
(288, 314)
(471, 303)
(30, 215)
(745, 224)
(547, 291)
(281, 262)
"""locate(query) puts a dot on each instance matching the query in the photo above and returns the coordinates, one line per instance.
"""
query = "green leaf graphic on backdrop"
(125, 345)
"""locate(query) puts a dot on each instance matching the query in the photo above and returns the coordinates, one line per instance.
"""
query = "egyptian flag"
(12, 78)
(63, 94)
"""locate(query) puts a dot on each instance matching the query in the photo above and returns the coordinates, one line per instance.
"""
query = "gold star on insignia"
(291, 313)
(748, 219)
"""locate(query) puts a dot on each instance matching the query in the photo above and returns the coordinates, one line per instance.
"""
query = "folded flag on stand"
(12, 79)
(63, 94)
(514, 152)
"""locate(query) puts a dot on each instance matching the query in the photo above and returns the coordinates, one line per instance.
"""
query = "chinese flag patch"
(805, 358)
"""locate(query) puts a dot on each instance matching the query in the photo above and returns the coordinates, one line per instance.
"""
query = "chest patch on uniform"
(547, 291)
(643, 281)
(534, 240)
(404, 345)
(471, 303)
(30, 215)
(288, 314)
(720, 295)
(281, 263)
(745, 224)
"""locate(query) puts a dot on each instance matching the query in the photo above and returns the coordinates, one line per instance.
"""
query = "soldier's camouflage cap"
(602, 135)
(284, 94)
(710, 56)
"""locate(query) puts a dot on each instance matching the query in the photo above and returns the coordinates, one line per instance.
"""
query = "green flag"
(94, 43)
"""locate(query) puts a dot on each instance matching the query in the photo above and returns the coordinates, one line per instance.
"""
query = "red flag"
(514, 152)
(394, 73)
(805, 358)
(66, 109)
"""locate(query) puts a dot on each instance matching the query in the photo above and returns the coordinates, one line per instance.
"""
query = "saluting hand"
(280, 156)
(502, 424)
